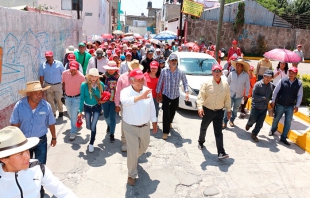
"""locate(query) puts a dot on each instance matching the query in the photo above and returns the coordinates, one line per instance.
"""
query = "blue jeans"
(40, 150)
(72, 105)
(235, 103)
(156, 106)
(257, 116)
(288, 112)
(92, 114)
(109, 114)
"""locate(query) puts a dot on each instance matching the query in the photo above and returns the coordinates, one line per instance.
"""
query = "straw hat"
(246, 65)
(12, 141)
(134, 64)
(32, 86)
(93, 72)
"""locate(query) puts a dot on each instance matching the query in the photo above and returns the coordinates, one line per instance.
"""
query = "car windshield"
(197, 66)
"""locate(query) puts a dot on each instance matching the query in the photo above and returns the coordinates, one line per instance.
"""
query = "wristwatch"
(54, 138)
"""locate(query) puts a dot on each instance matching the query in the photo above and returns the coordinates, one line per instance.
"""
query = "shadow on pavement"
(144, 185)
(75, 144)
(174, 137)
(212, 160)
(188, 114)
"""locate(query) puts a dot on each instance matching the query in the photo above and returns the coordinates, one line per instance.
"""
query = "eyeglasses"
(217, 71)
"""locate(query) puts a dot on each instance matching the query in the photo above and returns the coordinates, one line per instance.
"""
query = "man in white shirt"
(138, 110)
(124, 65)
(98, 62)
(300, 53)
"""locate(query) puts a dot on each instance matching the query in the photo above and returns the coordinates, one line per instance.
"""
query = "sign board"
(192, 8)
(138, 23)
(88, 14)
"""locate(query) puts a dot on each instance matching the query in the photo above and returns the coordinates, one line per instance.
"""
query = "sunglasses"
(217, 71)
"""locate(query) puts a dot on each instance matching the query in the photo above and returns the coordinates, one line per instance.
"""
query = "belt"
(214, 109)
(52, 83)
(140, 126)
(73, 96)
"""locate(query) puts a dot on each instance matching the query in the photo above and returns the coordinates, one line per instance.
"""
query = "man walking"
(138, 111)
(82, 56)
(71, 83)
(169, 83)
(124, 65)
(213, 97)
(135, 54)
(261, 94)
(238, 81)
(286, 97)
(50, 75)
(146, 62)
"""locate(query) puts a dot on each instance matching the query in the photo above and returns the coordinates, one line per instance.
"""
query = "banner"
(192, 8)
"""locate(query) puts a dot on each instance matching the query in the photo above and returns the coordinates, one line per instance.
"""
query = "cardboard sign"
(192, 8)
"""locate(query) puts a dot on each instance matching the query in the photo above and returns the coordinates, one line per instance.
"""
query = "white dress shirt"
(124, 67)
(138, 113)
(100, 63)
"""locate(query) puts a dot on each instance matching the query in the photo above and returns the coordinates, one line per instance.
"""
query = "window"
(71, 4)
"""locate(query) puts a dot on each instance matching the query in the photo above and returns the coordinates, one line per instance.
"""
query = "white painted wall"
(173, 26)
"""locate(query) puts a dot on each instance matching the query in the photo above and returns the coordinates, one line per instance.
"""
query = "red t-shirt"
(151, 83)
(233, 51)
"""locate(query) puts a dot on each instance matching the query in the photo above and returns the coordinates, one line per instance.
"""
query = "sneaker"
(101, 112)
(108, 129)
(247, 127)
(242, 115)
(72, 137)
(61, 114)
(271, 133)
(91, 148)
(231, 124)
(224, 126)
(112, 138)
(254, 137)
(223, 155)
(200, 146)
(285, 142)
(165, 136)
(124, 148)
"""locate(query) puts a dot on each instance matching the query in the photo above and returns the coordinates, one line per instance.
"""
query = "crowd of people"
(132, 80)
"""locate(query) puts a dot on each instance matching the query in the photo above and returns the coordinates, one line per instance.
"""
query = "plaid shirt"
(169, 83)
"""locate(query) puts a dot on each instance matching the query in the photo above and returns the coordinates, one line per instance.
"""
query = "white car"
(198, 69)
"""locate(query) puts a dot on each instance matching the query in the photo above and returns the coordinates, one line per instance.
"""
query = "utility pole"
(78, 9)
(219, 30)
(180, 24)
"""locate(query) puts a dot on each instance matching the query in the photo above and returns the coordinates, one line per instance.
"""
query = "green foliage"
(306, 88)
(239, 21)
(261, 45)
(305, 78)
(44, 7)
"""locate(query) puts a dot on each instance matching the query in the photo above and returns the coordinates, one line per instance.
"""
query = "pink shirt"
(72, 83)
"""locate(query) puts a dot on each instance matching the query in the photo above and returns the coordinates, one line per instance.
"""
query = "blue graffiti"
(245, 35)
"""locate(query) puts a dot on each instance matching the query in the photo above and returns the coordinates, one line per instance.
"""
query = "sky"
(136, 7)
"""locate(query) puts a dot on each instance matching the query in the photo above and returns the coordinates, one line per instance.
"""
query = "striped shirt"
(170, 82)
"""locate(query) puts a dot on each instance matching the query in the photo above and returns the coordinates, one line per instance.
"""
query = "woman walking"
(90, 101)
(280, 72)
(109, 113)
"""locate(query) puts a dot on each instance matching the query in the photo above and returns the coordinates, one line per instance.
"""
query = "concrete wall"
(24, 37)
(276, 37)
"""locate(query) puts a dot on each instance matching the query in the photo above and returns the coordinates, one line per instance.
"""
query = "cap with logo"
(82, 44)
(217, 67)
(293, 69)
(71, 57)
(74, 65)
(48, 53)
(154, 64)
(136, 73)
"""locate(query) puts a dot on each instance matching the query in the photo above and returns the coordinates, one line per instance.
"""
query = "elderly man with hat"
(238, 81)
(146, 62)
(98, 62)
(214, 96)
(71, 57)
(71, 82)
(138, 111)
(168, 84)
(124, 64)
(50, 75)
(123, 82)
(82, 56)
(20, 175)
(260, 98)
(135, 54)
(286, 98)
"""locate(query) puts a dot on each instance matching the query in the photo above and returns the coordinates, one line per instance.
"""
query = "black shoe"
(112, 138)
(61, 114)
(42, 192)
(223, 155)
(200, 146)
(271, 133)
(254, 137)
(247, 127)
(108, 129)
(285, 142)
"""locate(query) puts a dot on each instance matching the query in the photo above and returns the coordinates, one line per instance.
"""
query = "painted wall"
(24, 37)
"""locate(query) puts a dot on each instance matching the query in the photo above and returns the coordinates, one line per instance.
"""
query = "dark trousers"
(40, 150)
(257, 116)
(242, 106)
(216, 117)
(169, 108)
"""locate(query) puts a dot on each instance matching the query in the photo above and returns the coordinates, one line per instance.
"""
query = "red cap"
(120, 46)
(128, 53)
(136, 73)
(74, 65)
(48, 53)
(234, 42)
(92, 51)
(71, 57)
(154, 64)
(113, 43)
(117, 50)
(293, 69)
(215, 67)
(299, 45)
(105, 96)
(115, 55)
(109, 52)
(109, 47)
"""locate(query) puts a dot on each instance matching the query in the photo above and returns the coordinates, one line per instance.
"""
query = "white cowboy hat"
(70, 49)
(246, 65)
(111, 66)
(93, 72)
(32, 86)
(134, 64)
(12, 141)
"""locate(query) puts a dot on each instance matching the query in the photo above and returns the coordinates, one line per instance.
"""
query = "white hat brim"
(31, 142)
(107, 67)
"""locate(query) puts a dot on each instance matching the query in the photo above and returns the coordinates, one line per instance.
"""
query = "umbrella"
(283, 55)
(191, 44)
(128, 39)
(107, 36)
(118, 32)
(154, 41)
(165, 35)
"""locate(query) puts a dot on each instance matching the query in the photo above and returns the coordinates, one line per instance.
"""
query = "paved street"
(177, 168)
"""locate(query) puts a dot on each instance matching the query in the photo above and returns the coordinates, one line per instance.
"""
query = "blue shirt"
(33, 124)
(170, 81)
(52, 73)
